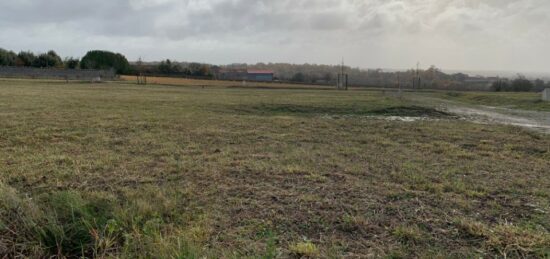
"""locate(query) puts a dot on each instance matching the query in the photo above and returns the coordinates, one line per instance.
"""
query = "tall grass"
(64, 225)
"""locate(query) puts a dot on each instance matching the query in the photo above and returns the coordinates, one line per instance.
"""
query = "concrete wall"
(51, 73)
(546, 95)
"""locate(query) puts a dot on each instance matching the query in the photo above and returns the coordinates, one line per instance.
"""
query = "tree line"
(520, 84)
(29, 59)
(431, 78)
(171, 68)
(95, 59)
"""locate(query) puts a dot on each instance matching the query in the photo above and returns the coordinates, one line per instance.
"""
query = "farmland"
(185, 171)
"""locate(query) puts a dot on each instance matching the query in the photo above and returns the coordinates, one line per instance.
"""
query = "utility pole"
(399, 84)
(141, 78)
(342, 78)
(418, 75)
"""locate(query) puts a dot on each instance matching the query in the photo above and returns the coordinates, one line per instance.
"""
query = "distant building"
(246, 75)
(260, 75)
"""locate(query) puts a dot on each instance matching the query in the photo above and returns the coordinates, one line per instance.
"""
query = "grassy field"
(526, 101)
(120, 170)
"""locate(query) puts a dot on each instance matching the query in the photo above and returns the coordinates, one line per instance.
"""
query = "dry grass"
(120, 170)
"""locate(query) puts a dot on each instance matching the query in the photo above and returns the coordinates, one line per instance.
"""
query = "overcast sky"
(451, 34)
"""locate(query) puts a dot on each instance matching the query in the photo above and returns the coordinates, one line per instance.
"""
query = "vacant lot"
(118, 170)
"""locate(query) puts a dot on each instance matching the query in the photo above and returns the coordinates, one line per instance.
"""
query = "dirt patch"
(411, 111)
(394, 112)
(492, 115)
(534, 120)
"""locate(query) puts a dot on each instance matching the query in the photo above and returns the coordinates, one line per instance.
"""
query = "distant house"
(260, 75)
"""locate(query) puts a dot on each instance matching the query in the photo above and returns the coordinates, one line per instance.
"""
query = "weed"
(506, 239)
(408, 234)
(304, 249)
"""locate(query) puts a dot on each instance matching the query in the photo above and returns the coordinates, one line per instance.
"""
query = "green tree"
(7, 58)
(99, 59)
(522, 84)
(49, 59)
(71, 63)
(27, 58)
(195, 69)
(500, 86)
(165, 67)
(539, 85)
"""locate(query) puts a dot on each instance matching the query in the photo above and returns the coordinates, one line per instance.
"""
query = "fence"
(54, 73)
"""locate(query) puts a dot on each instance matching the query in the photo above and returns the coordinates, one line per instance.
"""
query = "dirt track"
(535, 120)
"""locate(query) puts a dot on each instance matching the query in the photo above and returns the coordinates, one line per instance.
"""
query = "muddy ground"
(535, 120)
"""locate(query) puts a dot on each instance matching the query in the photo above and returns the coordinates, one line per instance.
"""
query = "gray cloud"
(475, 34)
